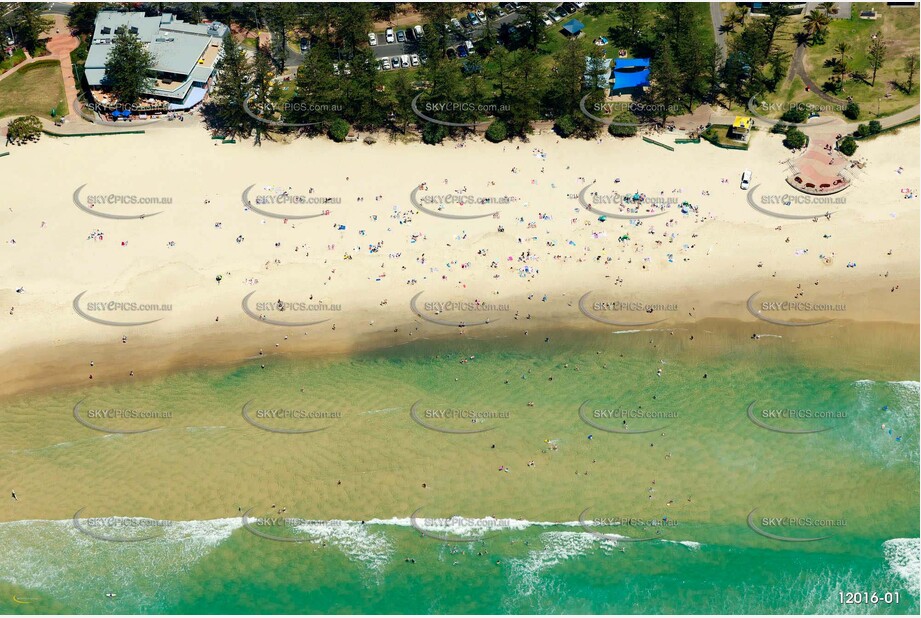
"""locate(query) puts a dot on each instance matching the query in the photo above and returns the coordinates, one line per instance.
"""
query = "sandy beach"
(564, 314)
(358, 267)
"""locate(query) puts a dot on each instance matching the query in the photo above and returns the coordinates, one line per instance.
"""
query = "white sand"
(713, 269)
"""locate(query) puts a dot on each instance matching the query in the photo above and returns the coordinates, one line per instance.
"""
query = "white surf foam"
(904, 558)
(353, 539)
(54, 557)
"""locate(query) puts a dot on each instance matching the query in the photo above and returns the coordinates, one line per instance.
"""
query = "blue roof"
(573, 26)
(195, 96)
(633, 79)
(630, 63)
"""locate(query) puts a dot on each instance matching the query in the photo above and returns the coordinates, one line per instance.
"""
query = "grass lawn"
(796, 92)
(720, 135)
(899, 28)
(603, 24)
(594, 28)
(33, 89)
(18, 56)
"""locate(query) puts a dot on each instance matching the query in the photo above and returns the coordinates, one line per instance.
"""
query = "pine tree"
(128, 68)
(876, 54)
(665, 92)
(231, 89)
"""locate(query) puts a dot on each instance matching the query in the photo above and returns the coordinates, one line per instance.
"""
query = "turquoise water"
(219, 567)
(708, 560)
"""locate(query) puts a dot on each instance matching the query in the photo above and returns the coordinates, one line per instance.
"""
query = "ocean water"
(218, 566)
(658, 522)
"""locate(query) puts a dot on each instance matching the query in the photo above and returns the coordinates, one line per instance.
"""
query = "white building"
(185, 54)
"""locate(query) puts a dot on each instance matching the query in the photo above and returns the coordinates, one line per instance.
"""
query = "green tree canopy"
(232, 89)
(128, 68)
(23, 129)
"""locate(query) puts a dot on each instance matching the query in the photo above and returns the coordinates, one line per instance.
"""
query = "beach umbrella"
(602, 218)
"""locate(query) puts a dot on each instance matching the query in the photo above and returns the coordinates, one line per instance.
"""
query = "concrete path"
(61, 43)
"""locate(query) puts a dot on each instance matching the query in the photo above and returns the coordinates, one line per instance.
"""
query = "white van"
(418, 31)
(469, 45)
(746, 179)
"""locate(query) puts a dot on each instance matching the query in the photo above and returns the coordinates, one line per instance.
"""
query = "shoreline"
(375, 250)
(239, 345)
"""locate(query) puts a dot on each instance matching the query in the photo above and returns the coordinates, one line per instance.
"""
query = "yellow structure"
(741, 127)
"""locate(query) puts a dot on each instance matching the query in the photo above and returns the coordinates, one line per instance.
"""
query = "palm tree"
(742, 14)
(841, 49)
(828, 7)
(815, 22)
(841, 68)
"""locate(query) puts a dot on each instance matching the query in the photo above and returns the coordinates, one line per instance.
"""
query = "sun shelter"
(573, 27)
(631, 63)
(629, 80)
(630, 74)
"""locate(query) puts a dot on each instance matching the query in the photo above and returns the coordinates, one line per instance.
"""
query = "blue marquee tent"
(624, 80)
(573, 27)
(630, 63)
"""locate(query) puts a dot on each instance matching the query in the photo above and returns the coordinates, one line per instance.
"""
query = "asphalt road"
(59, 8)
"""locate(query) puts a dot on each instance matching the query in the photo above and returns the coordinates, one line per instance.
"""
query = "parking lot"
(405, 50)
(410, 45)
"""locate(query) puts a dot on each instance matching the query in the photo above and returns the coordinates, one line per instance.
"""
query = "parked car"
(469, 46)
(481, 15)
(462, 51)
(553, 15)
(385, 64)
(404, 61)
(474, 18)
(418, 31)
(305, 45)
(500, 12)
(389, 35)
(571, 7)
(547, 21)
(457, 25)
(561, 11)
(423, 56)
(372, 39)
(414, 60)
(465, 23)
(335, 68)
(401, 36)
(746, 179)
(395, 61)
